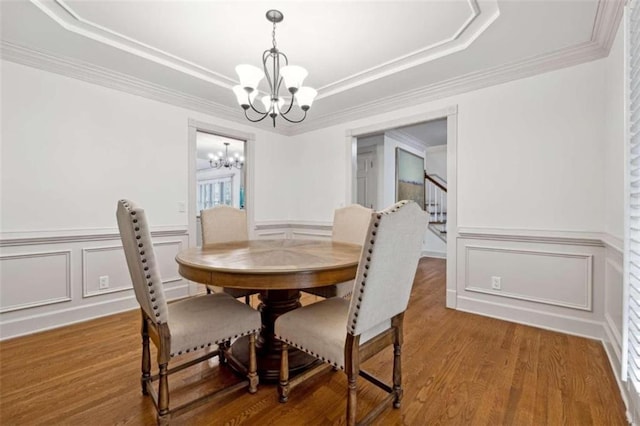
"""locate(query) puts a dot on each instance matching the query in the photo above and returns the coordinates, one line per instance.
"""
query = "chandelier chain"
(273, 35)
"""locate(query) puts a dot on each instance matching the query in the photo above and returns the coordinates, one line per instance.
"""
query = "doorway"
(220, 174)
(439, 158)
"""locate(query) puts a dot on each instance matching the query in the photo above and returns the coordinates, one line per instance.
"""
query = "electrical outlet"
(104, 282)
(181, 207)
(496, 283)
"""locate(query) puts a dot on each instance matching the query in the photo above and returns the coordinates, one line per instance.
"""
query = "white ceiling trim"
(405, 138)
(563, 58)
(71, 21)
(445, 47)
(108, 78)
(475, 24)
(606, 23)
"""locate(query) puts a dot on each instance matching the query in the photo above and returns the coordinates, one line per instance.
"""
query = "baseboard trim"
(50, 320)
(611, 346)
(434, 254)
(452, 299)
(534, 318)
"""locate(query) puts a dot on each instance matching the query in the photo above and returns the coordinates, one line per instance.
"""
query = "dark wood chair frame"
(354, 355)
(159, 334)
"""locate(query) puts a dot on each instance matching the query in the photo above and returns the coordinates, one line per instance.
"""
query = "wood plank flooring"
(458, 369)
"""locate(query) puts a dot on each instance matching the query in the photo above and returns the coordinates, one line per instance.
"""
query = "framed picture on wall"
(409, 177)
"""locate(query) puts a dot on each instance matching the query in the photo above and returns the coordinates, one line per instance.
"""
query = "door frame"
(195, 126)
(451, 114)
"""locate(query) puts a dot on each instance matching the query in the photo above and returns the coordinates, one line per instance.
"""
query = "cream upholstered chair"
(350, 225)
(183, 326)
(344, 333)
(221, 224)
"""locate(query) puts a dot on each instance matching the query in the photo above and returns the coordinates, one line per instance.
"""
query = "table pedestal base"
(273, 304)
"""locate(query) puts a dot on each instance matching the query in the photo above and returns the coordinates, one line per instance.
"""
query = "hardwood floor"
(458, 369)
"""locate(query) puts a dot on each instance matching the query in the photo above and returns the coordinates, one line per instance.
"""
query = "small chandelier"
(292, 75)
(219, 161)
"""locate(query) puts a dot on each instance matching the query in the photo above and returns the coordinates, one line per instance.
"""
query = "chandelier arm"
(295, 121)
(289, 108)
(265, 57)
(264, 115)
(255, 109)
(279, 80)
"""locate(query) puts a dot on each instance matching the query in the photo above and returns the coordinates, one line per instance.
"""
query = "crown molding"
(405, 138)
(67, 18)
(469, 30)
(463, 37)
(108, 78)
(608, 17)
(575, 55)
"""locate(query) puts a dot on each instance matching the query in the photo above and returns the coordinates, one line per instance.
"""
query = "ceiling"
(363, 57)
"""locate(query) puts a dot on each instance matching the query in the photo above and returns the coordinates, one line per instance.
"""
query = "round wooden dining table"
(278, 270)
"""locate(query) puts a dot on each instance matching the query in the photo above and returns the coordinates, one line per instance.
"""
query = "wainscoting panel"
(55, 281)
(110, 261)
(546, 280)
(554, 278)
(34, 279)
(104, 261)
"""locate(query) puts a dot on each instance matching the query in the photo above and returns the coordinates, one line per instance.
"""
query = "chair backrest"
(350, 224)
(141, 259)
(221, 224)
(387, 266)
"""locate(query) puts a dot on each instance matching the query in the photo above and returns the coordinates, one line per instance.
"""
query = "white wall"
(70, 150)
(530, 188)
(436, 161)
(529, 162)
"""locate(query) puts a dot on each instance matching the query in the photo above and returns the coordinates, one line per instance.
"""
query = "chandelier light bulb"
(244, 98)
(305, 96)
(249, 76)
(293, 76)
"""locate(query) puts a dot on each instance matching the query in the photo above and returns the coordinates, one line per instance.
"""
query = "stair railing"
(435, 197)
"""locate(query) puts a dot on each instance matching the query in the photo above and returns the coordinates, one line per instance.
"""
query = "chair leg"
(146, 356)
(253, 365)
(352, 368)
(397, 375)
(397, 323)
(163, 395)
(283, 385)
(222, 348)
(351, 399)
(247, 300)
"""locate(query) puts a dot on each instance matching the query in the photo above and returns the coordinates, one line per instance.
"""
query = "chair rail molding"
(40, 237)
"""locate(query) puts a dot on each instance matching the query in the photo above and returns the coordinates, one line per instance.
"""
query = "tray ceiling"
(361, 55)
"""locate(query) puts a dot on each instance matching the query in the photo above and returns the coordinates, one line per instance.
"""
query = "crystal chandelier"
(219, 161)
(291, 75)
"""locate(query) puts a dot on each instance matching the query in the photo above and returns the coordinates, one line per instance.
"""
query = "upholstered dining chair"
(344, 333)
(222, 224)
(350, 225)
(187, 325)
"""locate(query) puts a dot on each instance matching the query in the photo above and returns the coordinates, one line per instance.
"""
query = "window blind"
(631, 340)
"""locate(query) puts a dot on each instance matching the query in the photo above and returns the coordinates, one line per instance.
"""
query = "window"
(213, 192)
(631, 340)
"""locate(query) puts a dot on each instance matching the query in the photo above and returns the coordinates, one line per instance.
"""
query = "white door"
(366, 179)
